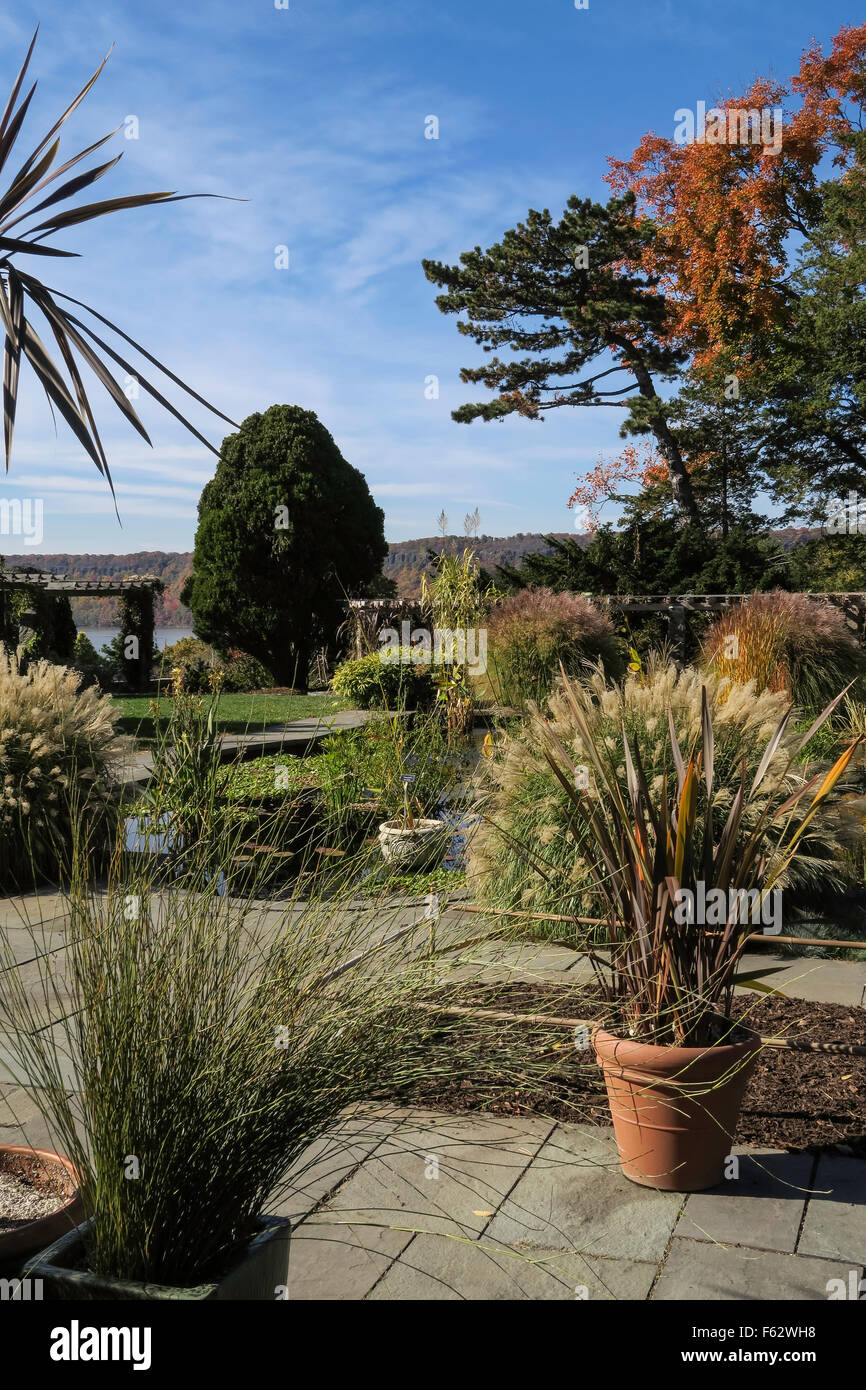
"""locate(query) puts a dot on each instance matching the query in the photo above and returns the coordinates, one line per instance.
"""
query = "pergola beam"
(81, 588)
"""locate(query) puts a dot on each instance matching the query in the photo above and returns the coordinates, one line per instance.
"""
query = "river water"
(163, 636)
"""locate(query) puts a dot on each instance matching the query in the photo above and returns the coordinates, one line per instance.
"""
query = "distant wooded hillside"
(407, 560)
(405, 563)
(170, 566)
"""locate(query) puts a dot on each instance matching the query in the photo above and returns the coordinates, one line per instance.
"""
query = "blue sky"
(315, 115)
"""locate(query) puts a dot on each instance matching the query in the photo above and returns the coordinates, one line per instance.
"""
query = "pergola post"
(677, 632)
(136, 630)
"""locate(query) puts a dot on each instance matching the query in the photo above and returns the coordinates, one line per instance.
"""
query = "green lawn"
(238, 714)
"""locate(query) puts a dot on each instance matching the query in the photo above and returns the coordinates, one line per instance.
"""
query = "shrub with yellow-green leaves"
(59, 753)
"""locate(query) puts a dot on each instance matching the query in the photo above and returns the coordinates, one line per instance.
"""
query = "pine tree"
(556, 295)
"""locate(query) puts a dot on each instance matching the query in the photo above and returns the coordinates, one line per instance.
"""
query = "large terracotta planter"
(44, 1168)
(259, 1271)
(675, 1109)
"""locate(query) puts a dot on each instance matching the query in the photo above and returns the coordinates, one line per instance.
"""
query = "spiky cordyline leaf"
(21, 293)
(675, 977)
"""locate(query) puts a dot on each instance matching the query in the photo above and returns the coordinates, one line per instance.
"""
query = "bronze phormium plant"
(668, 980)
(528, 821)
(27, 222)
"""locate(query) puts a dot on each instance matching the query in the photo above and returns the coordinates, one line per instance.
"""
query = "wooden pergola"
(370, 614)
(80, 588)
(145, 586)
(678, 607)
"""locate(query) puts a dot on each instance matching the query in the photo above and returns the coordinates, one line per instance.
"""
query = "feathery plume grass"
(528, 853)
(533, 632)
(785, 642)
(55, 739)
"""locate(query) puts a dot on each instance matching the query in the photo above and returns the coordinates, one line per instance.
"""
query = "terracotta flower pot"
(675, 1109)
(45, 1169)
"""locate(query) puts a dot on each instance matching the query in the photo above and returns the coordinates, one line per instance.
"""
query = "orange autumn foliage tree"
(637, 463)
(723, 211)
(641, 464)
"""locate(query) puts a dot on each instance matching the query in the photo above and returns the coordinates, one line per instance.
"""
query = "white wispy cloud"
(314, 118)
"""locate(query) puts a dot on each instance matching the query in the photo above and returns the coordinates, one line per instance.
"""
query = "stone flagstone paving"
(416, 1204)
(522, 1209)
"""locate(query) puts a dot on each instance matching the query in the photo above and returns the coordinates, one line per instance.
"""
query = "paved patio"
(433, 1206)
(296, 736)
(417, 1204)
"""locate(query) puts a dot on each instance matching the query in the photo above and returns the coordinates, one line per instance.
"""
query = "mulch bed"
(800, 1100)
(794, 1100)
(29, 1189)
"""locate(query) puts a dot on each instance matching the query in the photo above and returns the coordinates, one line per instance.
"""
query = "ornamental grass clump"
(183, 790)
(456, 602)
(534, 632)
(59, 748)
(785, 642)
(656, 848)
(529, 852)
(199, 1047)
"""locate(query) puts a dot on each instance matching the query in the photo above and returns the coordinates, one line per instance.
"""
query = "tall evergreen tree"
(287, 531)
(583, 331)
